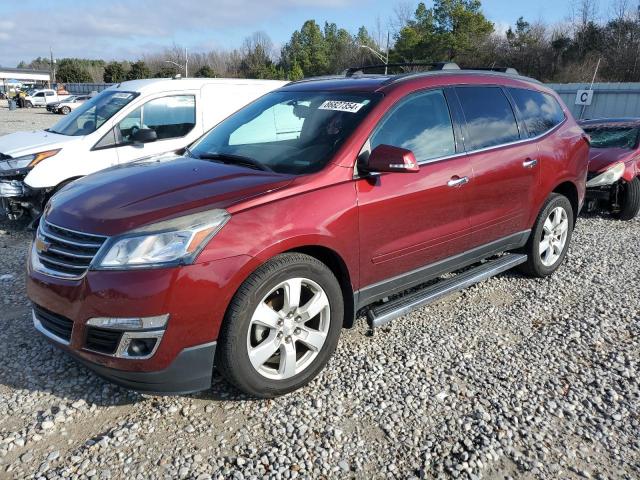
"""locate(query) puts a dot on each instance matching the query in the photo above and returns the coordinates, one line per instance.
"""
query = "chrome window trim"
(480, 150)
(39, 327)
(464, 152)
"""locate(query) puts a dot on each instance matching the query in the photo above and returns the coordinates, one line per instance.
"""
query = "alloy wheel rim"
(554, 236)
(288, 328)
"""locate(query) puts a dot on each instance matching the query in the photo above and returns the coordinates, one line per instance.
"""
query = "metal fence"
(85, 88)
(610, 100)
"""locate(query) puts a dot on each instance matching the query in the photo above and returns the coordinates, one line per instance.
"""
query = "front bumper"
(189, 372)
(195, 297)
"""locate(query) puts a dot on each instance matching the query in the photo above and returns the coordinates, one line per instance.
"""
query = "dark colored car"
(613, 183)
(256, 247)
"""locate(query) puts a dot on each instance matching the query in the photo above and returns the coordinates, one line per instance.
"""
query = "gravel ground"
(25, 119)
(511, 378)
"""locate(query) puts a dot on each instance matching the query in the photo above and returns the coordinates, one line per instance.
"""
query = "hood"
(25, 143)
(601, 158)
(114, 201)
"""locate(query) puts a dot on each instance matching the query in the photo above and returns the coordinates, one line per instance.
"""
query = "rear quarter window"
(539, 111)
(489, 117)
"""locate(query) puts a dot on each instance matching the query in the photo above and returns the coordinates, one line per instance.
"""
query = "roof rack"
(350, 72)
(510, 70)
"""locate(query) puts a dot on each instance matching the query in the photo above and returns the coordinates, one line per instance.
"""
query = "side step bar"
(382, 314)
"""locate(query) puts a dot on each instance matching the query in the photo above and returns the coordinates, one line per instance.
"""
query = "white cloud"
(111, 29)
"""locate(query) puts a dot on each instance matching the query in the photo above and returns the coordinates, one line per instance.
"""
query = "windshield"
(70, 98)
(287, 132)
(613, 136)
(93, 113)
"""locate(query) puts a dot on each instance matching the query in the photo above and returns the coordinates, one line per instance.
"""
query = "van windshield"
(93, 113)
(287, 132)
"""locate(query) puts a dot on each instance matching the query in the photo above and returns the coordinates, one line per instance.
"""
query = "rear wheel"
(549, 240)
(282, 326)
(630, 200)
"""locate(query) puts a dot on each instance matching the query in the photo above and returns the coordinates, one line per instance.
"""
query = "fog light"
(141, 347)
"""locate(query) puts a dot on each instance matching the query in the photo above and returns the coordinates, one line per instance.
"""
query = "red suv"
(252, 250)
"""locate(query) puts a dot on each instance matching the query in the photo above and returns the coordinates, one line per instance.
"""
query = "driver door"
(411, 220)
(172, 117)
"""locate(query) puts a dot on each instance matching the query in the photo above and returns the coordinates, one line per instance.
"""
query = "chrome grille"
(66, 253)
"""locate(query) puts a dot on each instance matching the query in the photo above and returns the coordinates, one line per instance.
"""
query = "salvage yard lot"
(513, 377)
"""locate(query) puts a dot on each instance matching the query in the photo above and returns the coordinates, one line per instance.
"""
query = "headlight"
(26, 160)
(165, 243)
(611, 175)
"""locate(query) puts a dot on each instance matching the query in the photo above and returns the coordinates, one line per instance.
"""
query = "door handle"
(457, 181)
(530, 163)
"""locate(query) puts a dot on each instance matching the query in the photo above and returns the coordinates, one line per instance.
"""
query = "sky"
(119, 29)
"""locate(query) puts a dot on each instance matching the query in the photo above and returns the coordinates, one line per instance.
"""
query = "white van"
(123, 123)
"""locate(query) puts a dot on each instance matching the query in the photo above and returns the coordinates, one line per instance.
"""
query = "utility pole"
(186, 62)
(52, 68)
(387, 62)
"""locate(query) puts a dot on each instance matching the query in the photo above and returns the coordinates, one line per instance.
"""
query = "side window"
(540, 111)
(169, 117)
(130, 124)
(276, 124)
(490, 118)
(39, 95)
(49, 94)
(422, 124)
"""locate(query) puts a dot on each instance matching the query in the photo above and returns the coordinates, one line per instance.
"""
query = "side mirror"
(387, 158)
(144, 135)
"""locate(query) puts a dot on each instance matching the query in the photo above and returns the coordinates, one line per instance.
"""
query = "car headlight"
(170, 242)
(611, 175)
(26, 161)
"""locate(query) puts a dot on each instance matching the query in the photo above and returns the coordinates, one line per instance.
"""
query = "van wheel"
(65, 110)
(549, 240)
(282, 326)
(630, 201)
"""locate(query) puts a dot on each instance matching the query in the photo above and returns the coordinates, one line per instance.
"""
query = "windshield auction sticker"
(340, 106)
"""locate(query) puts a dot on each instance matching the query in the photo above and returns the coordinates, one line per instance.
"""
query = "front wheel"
(282, 326)
(549, 240)
(28, 104)
(65, 110)
(630, 200)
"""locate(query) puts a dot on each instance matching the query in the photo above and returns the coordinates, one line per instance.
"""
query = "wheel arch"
(337, 265)
(569, 190)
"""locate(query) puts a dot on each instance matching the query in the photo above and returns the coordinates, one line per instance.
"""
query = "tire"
(28, 105)
(65, 110)
(630, 204)
(542, 263)
(246, 339)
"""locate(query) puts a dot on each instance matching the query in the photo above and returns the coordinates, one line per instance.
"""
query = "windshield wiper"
(233, 160)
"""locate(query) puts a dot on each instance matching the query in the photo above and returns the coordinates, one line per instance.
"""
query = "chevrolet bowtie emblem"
(42, 245)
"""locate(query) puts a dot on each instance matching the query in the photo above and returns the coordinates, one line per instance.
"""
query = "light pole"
(383, 58)
(184, 67)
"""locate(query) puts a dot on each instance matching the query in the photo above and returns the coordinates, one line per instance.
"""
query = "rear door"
(409, 220)
(505, 164)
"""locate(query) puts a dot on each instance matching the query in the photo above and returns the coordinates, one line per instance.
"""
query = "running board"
(382, 314)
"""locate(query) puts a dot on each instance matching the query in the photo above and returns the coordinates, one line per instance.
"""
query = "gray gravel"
(25, 119)
(512, 378)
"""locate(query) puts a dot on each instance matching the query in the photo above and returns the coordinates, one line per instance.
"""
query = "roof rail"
(350, 72)
(510, 70)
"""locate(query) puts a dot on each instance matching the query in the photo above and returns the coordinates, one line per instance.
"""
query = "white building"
(11, 77)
